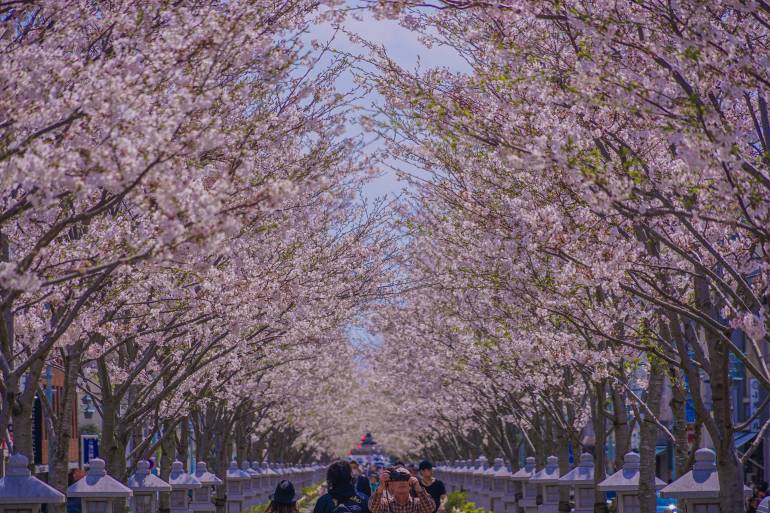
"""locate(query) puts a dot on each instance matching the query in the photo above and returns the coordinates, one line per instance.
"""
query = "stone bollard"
(487, 485)
(265, 478)
(98, 492)
(273, 477)
(21, 492)
(445, 474)
(527, 492)
(699, 488)
(234, 488)
(625, 482)
(202, 498)
(439, 472)
(463, 475)
(510, 501)
(290, 473)
(476, 488)
(548, 480)
(304, 479)
(450, 476)
(457, 475)
(257, 483)
(182, 485)
(248, 486)
(146, 487)
(499, 476)
(581, 480)
(253, 483)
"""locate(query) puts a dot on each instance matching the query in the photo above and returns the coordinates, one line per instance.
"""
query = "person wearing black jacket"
(361, 481)
(342, 496)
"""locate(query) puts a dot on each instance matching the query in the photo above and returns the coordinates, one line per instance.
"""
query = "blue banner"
(89, 446)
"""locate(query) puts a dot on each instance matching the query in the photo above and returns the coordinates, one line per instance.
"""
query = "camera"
(398, 474)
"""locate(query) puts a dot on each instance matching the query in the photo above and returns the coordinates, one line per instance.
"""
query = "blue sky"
(405, 48)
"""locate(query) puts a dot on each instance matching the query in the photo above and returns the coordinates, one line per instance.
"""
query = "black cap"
(284, 493)
(425, 464)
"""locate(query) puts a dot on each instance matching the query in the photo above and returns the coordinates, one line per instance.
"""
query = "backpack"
(349, 505)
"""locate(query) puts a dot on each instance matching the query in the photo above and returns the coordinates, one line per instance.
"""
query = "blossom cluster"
(180, 225)
(589, 209)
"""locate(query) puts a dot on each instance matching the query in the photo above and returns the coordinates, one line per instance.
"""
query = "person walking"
(342, 496)
(284, 499)
(434, 487)
(393, 495)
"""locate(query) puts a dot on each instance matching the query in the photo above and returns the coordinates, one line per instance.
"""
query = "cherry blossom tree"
(601, 169)
(178, 199)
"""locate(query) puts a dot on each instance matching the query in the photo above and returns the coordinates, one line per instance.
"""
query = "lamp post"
(248, 485)
(548, 478)
(500, 475)
(181, 485)
(99, 492)
(581, 479)
(20, 492)
(202, 496)
(477, 480)
(260, 490)
(527, 494)
(699, 488)
(625, 482)
(234, 487)
(146, 487)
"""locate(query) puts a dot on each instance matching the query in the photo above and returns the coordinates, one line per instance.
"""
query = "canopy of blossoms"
(585, 229)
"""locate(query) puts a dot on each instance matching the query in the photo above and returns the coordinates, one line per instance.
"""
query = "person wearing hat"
(284, 500)
(434, 487)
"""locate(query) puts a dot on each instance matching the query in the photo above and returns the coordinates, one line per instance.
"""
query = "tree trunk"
(23, 409)
(112, 450)
(538, 435)
(621, 428)
(22, 429)
(728, 465)
(682, 445)
(648, 437)
(6, 343)
(562, 451)
(167, 449)
(5, 412)
(58, 466)
(222, 459)
(182, 447)
(600, 453)
(241, 447)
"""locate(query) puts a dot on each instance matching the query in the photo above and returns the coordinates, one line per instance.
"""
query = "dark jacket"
(364, 486)
(353, 500)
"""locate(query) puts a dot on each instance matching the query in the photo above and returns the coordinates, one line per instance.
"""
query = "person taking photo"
(393, 495)
(434, 487)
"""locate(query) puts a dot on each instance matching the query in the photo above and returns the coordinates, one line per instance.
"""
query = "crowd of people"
(399, 488)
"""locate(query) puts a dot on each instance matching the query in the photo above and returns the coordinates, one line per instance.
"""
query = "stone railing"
(246, 486)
